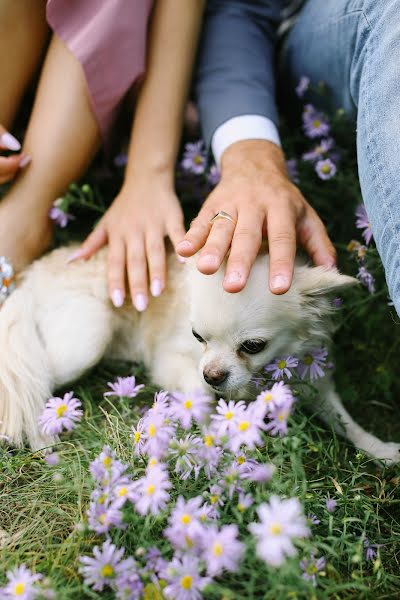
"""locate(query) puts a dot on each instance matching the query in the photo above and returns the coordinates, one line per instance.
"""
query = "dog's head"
(240, 333)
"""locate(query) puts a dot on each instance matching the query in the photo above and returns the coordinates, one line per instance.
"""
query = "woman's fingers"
(155, 252)
(96, 240)
(9, 166)
(116, 270)
(8, 141)
(137, 272)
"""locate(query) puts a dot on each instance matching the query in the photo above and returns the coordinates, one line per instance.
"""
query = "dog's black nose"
(215, 377)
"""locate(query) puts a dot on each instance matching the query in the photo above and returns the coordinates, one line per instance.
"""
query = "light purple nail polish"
(10, 142)
(25, 160)
(155, 288)
(74, 256)
(279, 282)
(117, 298)
(233, 277)
(140, 302)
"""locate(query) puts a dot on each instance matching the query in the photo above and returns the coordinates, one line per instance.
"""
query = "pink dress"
(108, 37)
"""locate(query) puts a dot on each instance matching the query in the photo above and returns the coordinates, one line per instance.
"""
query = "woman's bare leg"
(62, 137)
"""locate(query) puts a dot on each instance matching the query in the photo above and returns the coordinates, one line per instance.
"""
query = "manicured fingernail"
(140, 302)
(9, 141)
(117, 298)
(184, 245)
(155, 288)
(279, 282)
(25, 160)
(181, 259)
(234, 277)
(74, 256)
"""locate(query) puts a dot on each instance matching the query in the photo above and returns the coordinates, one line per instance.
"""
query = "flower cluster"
(311, 365)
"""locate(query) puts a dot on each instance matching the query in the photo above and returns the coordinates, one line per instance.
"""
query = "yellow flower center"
(107, 461)
(186, 519)
(151, 489)
(19, 589)
(186, 582)
(241, 460)
(267, 397)
(123, 491)
(326, 168)
(308, 359)
(282, 417)
(244, 425)
(208, 440)
(228, 415)
(61, 410)
(275, 528)
(240, 507)
(102, 518)
(311, 569)
(217, 549)
(152, 430)
(107, 571)
(153, 461)
(214, 499)
(102, 498)
(281, 364)
(197, 160)
(317, 123)
(188, 404)
(137, 437)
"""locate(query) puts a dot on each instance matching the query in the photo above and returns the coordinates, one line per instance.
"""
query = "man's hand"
(255, 190)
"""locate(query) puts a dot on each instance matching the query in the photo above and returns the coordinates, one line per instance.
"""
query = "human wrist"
(245, 155)
(154, 173)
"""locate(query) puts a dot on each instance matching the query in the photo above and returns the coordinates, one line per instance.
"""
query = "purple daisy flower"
(158, 430)
(313, 364)
(124, 387)
(370, 550)
(315, 125)
(311, 566)
(279, 417)
(313, 519)
(58, 213)
(59, 414)
(258, 473)
(331, 504)
(292, 169)
(302, 86)
(185, 528)
(281, 367)
(222, 550)
(101, 517)
(128, 585)
(106, 469)
(105, 566)
(184, 580)
(244, 501)
(228, 413)
(190, 407)
(318, 152)
(362, 222)
(277, 395)
(194, 158)
(185, 453)
(139, 438)
(21, 583)
(247, 429)
(151, 491)
(367, 279)
(325, 169)
(155, 563)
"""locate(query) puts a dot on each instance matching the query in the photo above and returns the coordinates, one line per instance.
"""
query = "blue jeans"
(354, 47)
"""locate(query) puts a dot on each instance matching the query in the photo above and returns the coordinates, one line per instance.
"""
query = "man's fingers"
(198, 233)
(155, 251)
(244, 249)
(176, 231)
(137, 273)
(116, 271)
(96, 240)
(313, 236)
(281, 227)
(216, 246)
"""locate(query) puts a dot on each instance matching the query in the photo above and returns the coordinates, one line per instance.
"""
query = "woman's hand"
(135, 225)
(9, 165)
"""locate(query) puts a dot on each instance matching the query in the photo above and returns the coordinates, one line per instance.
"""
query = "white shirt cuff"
(244, 127)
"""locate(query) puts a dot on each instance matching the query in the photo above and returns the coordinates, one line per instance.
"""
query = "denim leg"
(354, 47)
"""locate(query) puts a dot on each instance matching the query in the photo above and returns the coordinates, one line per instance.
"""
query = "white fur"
(59, 323)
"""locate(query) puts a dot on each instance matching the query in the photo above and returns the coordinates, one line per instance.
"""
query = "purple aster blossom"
(101, 517)
(151, 492)
(258, 473)
(244, 501)
(280, 522)
(315, 125)
(302, 86)
(247, 429)
(325, 169)
(194, 158)
(222, 550)
(331, 504)
(58, 213)
(231, 477)
(311, 566)
(139, 438)
(209, 455)
(309, 111)
(370, 550)
(59, 414)
(105, 468)
(292, 169)
(124, 387)
(207, 512)
(362, 222)
(281, 367)
(318, 152)
(105, 566)
(52, 459)
(214, 175)
(184, 580)
(224, 422)
(313, 364)
(216, 492)
(313, 519)
(155, 563)
(367, 279)
(278, 395)
(128, 585)
(158, 430)
(185, 453)
(21, 583)
(190, 407)
(278, 418)
(160, 404)
(185, 529)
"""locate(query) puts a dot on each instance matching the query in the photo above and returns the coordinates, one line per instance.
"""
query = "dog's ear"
(320, 281)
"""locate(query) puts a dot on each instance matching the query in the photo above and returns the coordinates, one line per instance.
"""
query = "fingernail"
(208, 260)
(9, 141)
(140, 302)
(279, 282)
(184, 245)
(181, 259)
(74, 256)
(234, 277)
(155, 288)
(25, 160)
(117, 298)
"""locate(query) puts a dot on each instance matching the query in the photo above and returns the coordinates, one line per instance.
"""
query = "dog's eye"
(198, 337)
(253, 346)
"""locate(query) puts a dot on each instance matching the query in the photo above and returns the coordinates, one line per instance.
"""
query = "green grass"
(42, 508)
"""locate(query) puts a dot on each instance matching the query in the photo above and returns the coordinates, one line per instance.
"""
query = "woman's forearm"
(157, 126)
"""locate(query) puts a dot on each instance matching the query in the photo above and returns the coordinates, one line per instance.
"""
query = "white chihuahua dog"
(60, 322)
